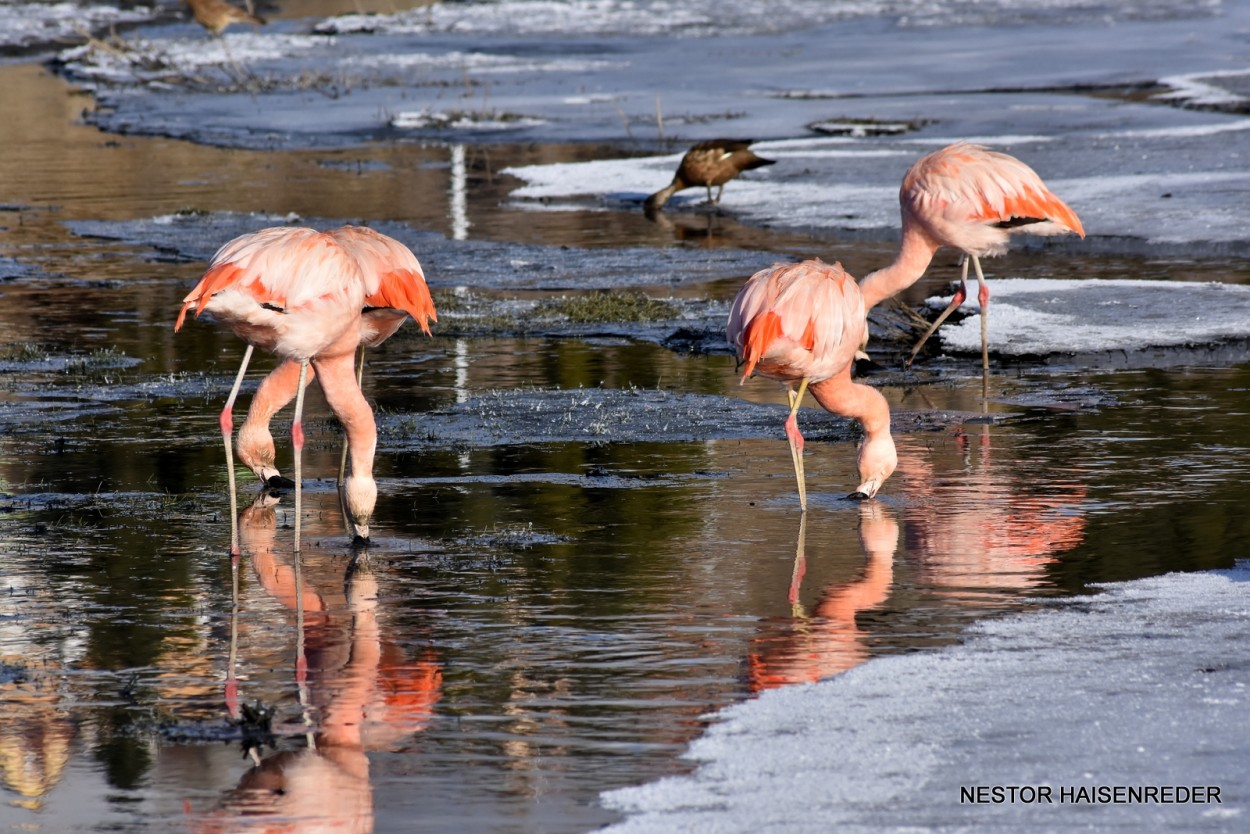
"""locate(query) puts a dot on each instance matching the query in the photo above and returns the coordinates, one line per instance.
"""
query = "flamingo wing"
(797, 320)
(279, 268)
(391, 273)
(971, 197)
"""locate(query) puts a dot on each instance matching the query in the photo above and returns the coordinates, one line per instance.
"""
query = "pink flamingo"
(805, 323)
(970, 198)
(311, 298)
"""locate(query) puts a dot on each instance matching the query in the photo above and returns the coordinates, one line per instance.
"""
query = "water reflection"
(829, 640)
(358, 692)
(36, 737)
(979, 520)
(976, 530)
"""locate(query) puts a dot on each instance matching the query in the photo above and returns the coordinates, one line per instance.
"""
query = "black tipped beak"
(279, 482)
(858, 496)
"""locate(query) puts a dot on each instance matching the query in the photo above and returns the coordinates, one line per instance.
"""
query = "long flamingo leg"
(227, 429)
(796, 440)
(960, 295)
(232, 678)
(297, 442)
(983, 297)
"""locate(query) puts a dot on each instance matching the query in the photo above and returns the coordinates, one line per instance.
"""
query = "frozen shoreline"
(1141, 687)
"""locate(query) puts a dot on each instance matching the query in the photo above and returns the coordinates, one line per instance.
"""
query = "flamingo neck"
(839, 395)
(877, 458)
(913, 258)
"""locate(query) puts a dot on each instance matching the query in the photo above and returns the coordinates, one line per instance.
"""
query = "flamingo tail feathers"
(214, 281)
(405, 289)
(1041, 205)
(761, 333)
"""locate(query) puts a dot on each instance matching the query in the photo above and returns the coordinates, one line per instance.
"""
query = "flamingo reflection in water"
(358, 692)
(991, 520)
(981, 526)
(829, 640)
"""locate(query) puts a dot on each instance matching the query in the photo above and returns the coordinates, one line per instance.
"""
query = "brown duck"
(216, 15)
(714, 162)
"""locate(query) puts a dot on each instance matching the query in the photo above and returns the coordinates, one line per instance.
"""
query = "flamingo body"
(804, 323)
(972, 199)
(798, 321)
(286, 290)
(312, 298)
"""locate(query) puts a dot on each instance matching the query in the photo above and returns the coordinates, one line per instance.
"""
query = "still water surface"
(535, 622)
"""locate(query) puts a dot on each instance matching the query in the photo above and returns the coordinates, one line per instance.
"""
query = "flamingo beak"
(866, 490)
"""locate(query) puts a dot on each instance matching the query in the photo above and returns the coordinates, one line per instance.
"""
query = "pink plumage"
(312, 298)
(798, 321)
(804, 323)
(972, 199)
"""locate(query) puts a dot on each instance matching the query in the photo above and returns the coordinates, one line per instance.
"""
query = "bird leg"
(983, 297)
(796, 440)
(232, 678)
(720, 190)
(709, 194)
(960, 295)
(227, 428)
(297, 442)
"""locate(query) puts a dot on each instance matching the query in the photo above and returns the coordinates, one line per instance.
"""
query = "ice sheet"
(1144, 685)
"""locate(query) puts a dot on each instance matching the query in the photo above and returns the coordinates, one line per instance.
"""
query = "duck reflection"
(358, 693)
(828, 640)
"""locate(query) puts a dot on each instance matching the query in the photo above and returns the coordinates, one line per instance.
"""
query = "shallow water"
(569, 571)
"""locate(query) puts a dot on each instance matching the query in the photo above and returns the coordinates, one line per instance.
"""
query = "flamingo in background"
(970, 198)
(805, 323)
(310, 298)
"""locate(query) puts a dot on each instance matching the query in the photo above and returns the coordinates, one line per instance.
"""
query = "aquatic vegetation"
(603, 306)
(24, 353)
(462, 313)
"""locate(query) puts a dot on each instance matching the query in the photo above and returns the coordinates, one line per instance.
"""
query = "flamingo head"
(359, 496)
(876, 462)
